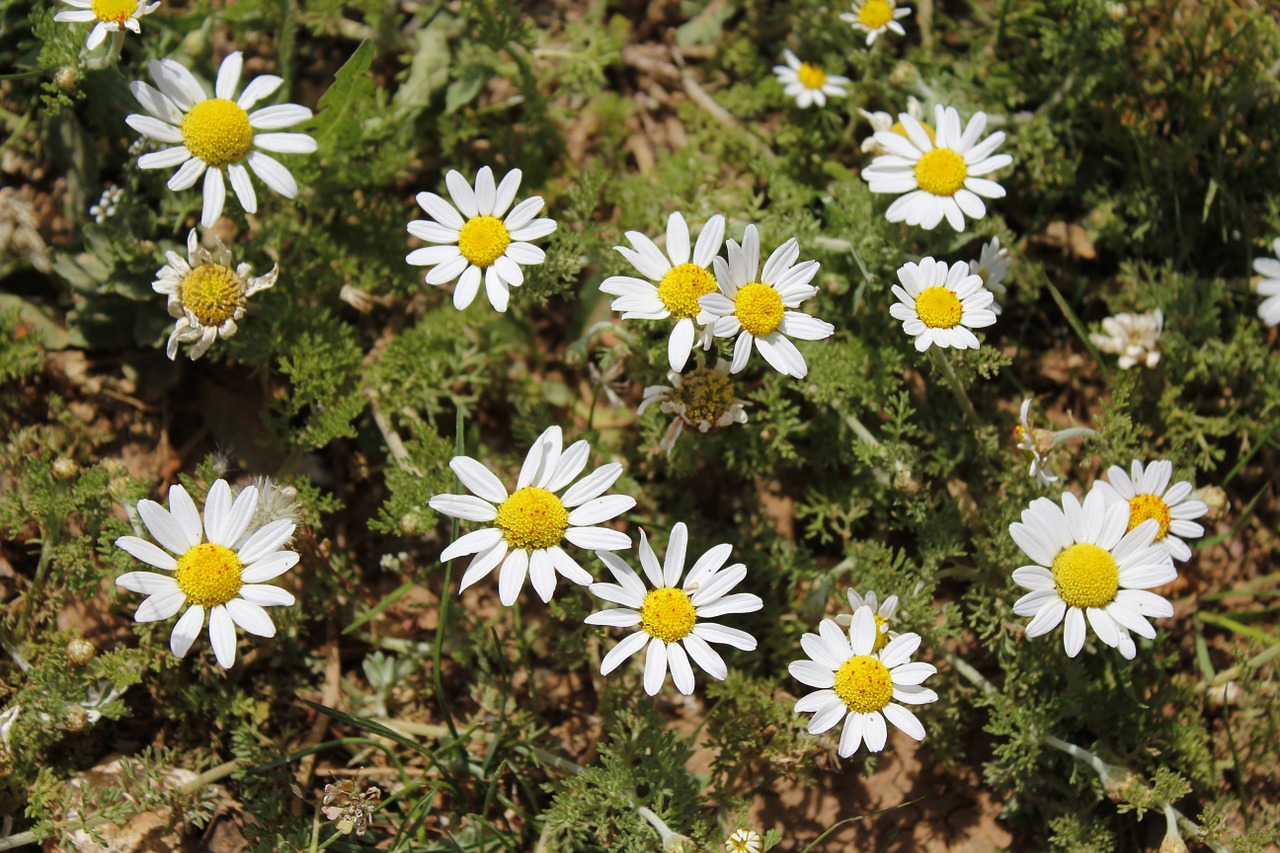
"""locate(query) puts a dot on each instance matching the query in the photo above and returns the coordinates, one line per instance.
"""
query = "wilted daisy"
(212, 134)
(670, 615)
(938, 176)
(883, 612)
(940, 305)
(808, 83)
(991, 266)
(206, 295)
(754, 305)
(110, 15)
(859, 685)
(1147, 494)
(1133, 337)
(874, 17)
(1037, 442)
(882, 121)
(1088, 564)
(209, 574)
(484, 244)
(702, 398)
(1269, 287)
(530, 523)
(744, 841)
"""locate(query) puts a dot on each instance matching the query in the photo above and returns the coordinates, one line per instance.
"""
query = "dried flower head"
(351, 811)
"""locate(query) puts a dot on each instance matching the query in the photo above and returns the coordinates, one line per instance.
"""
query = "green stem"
(944, 366)
(459, 446)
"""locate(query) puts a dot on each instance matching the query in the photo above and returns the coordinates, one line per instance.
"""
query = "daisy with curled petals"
(669, 615)
(484, 244)
(1037, 442)
(808, 83)
(860, 685)
(676, 282)
(874, 17)
(884, 121)
(1089, 565)
(703, 398)
(940, 305)
(1269, 287)
(207, 573)
(206, 295)
(530, 523)
(744, 841)
(991, 266)
(1147, 494)
(210, 135)
(110, 15)
(938, 176)
(756, 305)
(883, 613)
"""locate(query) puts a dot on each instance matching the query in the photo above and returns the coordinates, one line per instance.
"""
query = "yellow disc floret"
(667, 614)
(901, 130)
(209, 574)
(758, 308)
(882, 633)
(114, 11)
(874, 14)
(532, 519)
(681, 288)
(213, 293)
(1143, 507)
(1086, 575)
(706, 394)
(217, 131)
(863, 684)
(941, 172)
(811, 76)
(939, 308)
(483, 240)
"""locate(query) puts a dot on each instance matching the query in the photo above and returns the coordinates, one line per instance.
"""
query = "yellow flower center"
(118, 11)
(899, 129)
(212, 293)
(941, 172)
(681, 288)
(667, 614)
(532, 519)
(874, 14)
(758, 308)
(209, 574)
(483, 240)
(706, 394)
(882, 633)
(811, 76)
(1086, 575)
(863, 684)
(217, 131)
(1143, 507)
(939, 308)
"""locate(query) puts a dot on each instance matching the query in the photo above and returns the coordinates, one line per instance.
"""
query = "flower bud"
(80, 651)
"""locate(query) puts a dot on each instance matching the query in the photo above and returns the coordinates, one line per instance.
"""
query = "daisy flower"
(110, 15)
(702, 399)
(668, 616)
(676, 282)
(1088, 564)
(484, 244)
(1147, 494)
(808, 83)
(755, 305)
(744, 841)
(858, 684)
(883, 613)
(882, 121)
(207, 573)
(530, 523)
(210, 135)
(991, 266)
(874, 17)
(1133, 337)
(206, 295)
(938, 177)
(1030, 441)
(940, 305)
(1269, 287)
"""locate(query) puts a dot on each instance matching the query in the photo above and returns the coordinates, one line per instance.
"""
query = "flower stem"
(459, 446)
(944, 366)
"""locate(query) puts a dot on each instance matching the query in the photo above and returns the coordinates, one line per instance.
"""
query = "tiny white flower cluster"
(107, 204)
(1133, 337)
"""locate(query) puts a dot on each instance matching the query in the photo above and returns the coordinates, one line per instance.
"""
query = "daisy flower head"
(203, 570)
(702, 398)
(475, 240)
(1133, 337)
(938, 176)
(212, 135)
(874, 17)
(530, 523)
(669, 617)
(757, 305)
(1089, 565)
(882, 610)
(808, 83)
(110, 16)
(1269, 287)
(860, 685)
(1036, 442)
(744, 841)
(206, 295)
(1147, 494)
(941, 305)
(991, 266)
(675, 282)
(882, 121)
